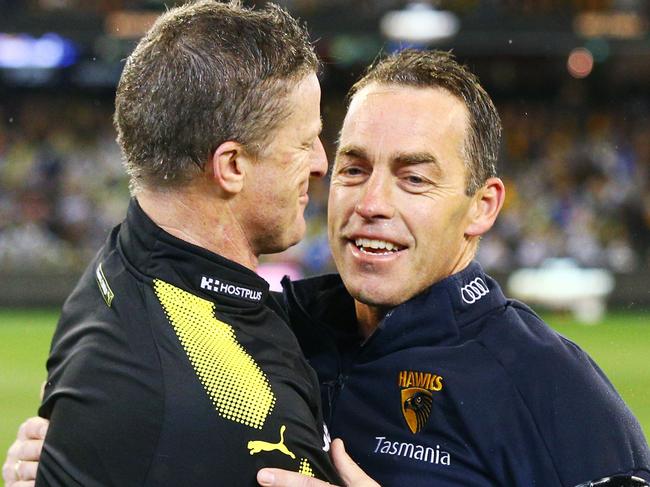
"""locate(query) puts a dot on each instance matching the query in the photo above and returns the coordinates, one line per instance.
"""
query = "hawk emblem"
(416, 407)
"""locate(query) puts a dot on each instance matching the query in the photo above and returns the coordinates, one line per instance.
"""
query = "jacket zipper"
(339, 383)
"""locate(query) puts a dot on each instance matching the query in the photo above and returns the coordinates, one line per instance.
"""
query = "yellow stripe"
(235, 383)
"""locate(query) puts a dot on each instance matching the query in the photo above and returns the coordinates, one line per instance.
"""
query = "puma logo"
(259, 445)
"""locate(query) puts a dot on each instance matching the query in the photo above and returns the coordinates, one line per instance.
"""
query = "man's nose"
(318, 167)
(375, 200)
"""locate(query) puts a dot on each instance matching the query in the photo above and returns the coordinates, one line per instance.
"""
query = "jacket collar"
(434, 317)
(437, 316)
(155, 253)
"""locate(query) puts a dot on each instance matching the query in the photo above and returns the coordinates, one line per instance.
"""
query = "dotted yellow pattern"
(305, 468)
(236, 385)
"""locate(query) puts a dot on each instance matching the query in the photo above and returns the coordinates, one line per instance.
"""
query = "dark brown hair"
(205, 73)
(440, 69)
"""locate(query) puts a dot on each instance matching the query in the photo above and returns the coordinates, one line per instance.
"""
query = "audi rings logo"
(474, 291)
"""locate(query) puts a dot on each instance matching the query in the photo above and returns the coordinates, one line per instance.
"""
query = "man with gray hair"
(428, 372)
(171, 363)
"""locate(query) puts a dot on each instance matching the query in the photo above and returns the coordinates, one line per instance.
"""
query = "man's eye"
(413, 179)
(351, 171)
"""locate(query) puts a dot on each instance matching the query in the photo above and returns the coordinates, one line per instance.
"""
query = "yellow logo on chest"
(416, 390)
(259, 445)
(423, 380)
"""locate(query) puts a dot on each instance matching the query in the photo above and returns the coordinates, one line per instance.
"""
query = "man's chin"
(281, 243)
(373, 292)
(298, 234)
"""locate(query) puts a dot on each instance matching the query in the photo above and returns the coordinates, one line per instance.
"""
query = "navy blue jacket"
(460, 386)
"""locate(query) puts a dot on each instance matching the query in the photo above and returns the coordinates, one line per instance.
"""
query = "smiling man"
(428, 372)
(399, 208)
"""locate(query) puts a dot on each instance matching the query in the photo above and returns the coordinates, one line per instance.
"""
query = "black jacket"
(172, 366)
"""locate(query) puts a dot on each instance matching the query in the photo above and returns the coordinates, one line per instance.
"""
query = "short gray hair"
(440, 69)
(205, 73)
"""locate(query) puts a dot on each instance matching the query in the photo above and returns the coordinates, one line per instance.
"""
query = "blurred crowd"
(62, 186)
(578, 185)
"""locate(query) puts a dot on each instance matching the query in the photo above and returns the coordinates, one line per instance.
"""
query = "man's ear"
(229, 165)
(485, 207)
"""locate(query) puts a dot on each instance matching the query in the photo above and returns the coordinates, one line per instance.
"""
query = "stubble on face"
(399, 184)
(277, 192)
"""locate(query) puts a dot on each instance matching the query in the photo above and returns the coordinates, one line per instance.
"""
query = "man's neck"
(368, 317)
(208, 222)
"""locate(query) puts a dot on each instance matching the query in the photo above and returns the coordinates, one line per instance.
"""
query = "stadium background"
(571, 79)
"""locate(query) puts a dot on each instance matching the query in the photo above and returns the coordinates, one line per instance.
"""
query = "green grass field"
(621, 346)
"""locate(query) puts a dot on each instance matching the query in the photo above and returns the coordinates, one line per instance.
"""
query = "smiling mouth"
(377, 247)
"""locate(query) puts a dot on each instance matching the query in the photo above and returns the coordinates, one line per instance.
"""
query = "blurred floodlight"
(561, 284)
(615, 24)
(580, 62)
(48, 51)
(25, 51)
(13, 51)
(419, 22)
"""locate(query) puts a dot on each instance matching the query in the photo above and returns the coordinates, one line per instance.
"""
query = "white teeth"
(375, 244)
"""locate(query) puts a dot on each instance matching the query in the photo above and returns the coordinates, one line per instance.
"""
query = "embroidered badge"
(416, 394)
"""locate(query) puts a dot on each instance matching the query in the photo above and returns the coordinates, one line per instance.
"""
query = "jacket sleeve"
(102, 398)
(575, 412)
(591, 432)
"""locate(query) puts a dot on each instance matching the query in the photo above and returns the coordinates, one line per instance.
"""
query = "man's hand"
(349, 471)
(20, 466)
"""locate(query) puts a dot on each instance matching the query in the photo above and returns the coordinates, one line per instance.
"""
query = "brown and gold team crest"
(417, 390)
